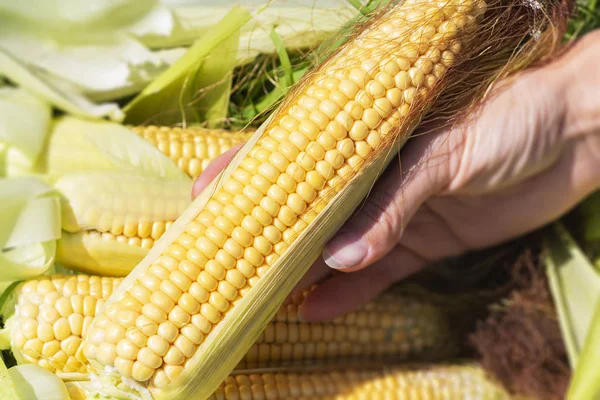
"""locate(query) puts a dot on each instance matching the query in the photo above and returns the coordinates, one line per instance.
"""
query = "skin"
(528, 155)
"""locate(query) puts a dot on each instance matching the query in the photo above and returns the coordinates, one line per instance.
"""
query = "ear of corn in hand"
(231, 259)
(48, 318)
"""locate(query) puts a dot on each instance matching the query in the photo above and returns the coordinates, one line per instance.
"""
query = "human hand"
(529, 154)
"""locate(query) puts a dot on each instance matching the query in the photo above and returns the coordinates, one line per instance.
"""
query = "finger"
(424, 169)
(213, 169)
(316, 273)
(342, 293)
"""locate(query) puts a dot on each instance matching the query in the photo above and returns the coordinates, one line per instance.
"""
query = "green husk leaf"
(585, 383)
(24, 124)
(29, 228)
(68, 17)
(78, 145)
(288, 73)
(590, 211)
(100, 66)
(196, 88)
(33, 382)
(61, 94)
(131, 196)
(8, 391)
(575, 287)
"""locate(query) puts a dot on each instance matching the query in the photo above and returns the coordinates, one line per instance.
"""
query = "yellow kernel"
(306, 191)
(146, 325)
(127, 350)
(210, 312)
(215, 269)
(158, 345)
(306, 161)
(179, 317)
(346, 147)
(184, 345)
(245, 268)
(287, 215)
(189, 269)
(336, 130)
(198, 292)
(235, 278)
(193, 334)
(140, 372)
(359, 130)
(348, 88)
(354, 109)
(207, 281)
(168, 331)
(417, 77)
(196, 257)
(154, 313)
(409, 95)
(253, 256)
(272, 234)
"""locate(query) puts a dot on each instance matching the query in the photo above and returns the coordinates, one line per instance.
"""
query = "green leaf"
(196, 88)
(24, 125)
(33, 382)
(69, 17)
(585, 383)
(78, 145)
(590, 211)
(8, 391)
(29, 228)
(575, 288)
(60, 94)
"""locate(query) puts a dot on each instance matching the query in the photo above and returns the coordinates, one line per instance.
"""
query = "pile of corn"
(191, 299)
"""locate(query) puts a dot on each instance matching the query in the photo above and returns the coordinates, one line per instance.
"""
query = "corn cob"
(229, 261)
(433, 382)
(192, 149)
(422, 382)
(112, 219)
(53, 314)
(50, 318)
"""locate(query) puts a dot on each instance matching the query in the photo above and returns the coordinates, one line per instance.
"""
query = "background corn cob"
(112, 218)
(192, 149)
(53, 314)
(424, 382)
(342, 121)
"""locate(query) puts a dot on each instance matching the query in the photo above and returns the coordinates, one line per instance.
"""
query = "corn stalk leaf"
(29, 228)
(60, 94)
(78, 145)
(24, 124)
(575, 288)
(196, 88)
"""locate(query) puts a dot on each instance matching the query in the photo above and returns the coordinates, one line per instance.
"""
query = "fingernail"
(345, 252)
(300, 314)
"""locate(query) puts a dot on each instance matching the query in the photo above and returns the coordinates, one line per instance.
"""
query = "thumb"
(213, 169)
(422, 169)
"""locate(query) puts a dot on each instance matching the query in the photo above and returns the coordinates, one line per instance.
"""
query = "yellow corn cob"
(225, 266)
(192, 149)
(52, 315)
(416, 383)
(423, 382)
